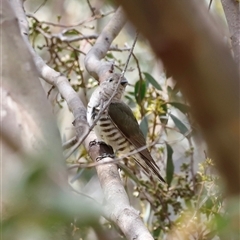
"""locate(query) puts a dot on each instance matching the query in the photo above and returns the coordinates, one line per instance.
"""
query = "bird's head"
(111, 84)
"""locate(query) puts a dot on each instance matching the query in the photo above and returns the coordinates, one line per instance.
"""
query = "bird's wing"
(123, 118)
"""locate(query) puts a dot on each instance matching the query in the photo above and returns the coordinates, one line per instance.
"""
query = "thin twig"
(129, 56)
(95, 17)
(154, 122)
(69, 143)
(192, 164)
(199, 204)
(117, 49)
(209, 6)
(91, 8)
(138, 66)
(75, 49)
(93, 201)
(42, 4)
(63, 38)
(83, 194)
(115, 160)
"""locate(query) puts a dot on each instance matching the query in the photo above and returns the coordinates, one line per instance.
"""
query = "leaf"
(71, 32)
(144, 126)
(130, 174)
(59, 18)
(180, 106)
(140, 91)
(170, 166)
(152, 81)
(208, 207)
(128, 97)
(182, 128)
(156, 232)
(109, 55)
(163, 116)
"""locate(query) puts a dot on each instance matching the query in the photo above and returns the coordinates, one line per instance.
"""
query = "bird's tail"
(149, 166)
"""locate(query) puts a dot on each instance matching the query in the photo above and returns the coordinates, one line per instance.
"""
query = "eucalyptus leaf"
(71, 32)
(152, 81)
(140, 91)
(144, 126)
(180, 106)
(163, 116)
(182, 128)
(109, 55)
(156, 232)
(170, 165)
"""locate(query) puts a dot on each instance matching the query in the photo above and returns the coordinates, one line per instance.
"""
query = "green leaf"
(131, 93)
(59, 18)
(144, 126)
(163, 116)
(208, 207)
(180, 106)
(71, 32)
(109, 55)
(129, 98)
(156, 232)
(130, 174)
(182, 128)
(140, 91)
(170, 166)
(152, 81)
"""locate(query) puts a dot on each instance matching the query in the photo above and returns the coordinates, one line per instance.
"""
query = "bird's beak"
(124, 82)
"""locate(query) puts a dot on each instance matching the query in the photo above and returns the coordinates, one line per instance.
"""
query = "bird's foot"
(93, 143)
(105, 155)
(104, 150)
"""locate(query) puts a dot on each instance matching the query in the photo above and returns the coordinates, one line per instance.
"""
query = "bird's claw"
(104, 155)
(104, 149)
(92, 143)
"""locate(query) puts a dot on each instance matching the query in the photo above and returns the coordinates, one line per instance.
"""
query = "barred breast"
(107, 132)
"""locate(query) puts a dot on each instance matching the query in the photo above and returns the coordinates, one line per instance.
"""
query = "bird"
(117, 125)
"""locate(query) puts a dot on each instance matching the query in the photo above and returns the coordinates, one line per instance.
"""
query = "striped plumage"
(117, 126)
(107, 132)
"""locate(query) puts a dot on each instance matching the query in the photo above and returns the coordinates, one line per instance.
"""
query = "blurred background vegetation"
(191, 207)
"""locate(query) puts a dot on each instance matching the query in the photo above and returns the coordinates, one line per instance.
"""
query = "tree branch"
(118, 208)
(232, 13)
(100, 70)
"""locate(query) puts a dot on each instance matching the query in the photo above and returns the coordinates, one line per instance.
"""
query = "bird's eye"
(110, 79)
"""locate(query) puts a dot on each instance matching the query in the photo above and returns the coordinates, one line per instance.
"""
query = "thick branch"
(232, 13)
(184, 36)
(118, 208)
(92, 60)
